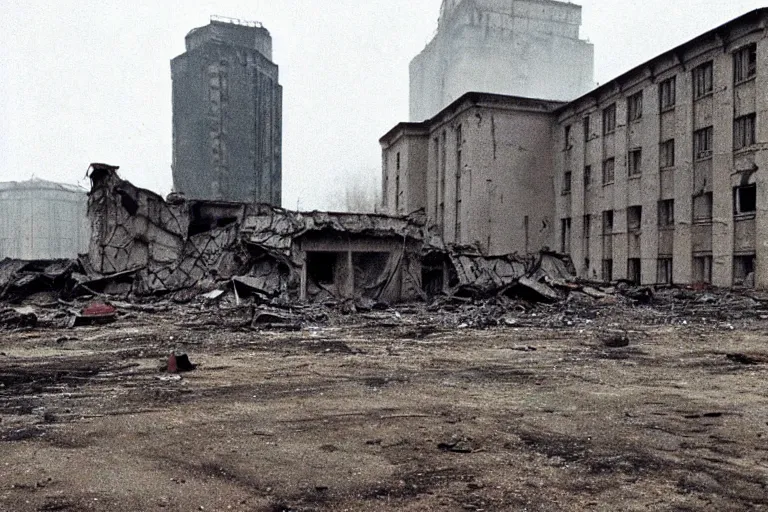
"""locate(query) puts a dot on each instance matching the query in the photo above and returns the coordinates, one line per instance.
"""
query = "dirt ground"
(386, 413)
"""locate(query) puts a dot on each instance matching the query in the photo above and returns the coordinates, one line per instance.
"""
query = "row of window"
(744, 203)
(744, 68)
(703, 143)
(743, 269)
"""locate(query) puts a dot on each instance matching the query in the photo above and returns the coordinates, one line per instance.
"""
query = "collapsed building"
(152, 246)
(144, 246)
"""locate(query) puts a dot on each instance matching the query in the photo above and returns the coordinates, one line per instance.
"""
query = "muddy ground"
(387, 412)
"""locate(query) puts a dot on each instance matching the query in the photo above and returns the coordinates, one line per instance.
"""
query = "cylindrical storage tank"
(42, 220)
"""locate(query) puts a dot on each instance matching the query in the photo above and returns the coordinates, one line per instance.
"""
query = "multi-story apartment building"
(659, 175)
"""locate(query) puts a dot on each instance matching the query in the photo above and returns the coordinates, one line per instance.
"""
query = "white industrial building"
(41, 220)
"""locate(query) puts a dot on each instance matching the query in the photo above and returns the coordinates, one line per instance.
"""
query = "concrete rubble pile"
(291, 268)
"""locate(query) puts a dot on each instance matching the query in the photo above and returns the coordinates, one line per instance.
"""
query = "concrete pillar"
(722, 206)
(761, 160)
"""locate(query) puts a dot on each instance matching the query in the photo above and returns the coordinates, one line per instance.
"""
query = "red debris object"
(99, 310)
(94, 314)
(180, 363)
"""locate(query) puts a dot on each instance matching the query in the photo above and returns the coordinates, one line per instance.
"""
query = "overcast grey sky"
(89, 80)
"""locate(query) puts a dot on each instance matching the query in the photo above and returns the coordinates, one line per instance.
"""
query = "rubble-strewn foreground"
(401, 409)
(190, 362)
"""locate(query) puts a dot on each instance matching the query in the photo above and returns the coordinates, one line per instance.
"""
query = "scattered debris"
(616, 340)
(17, 318)
(748, 359)
(180, 363)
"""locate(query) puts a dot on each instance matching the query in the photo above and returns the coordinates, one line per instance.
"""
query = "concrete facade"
(689, 147)
(656, 177)
(515, 47)
(481, 170)
(42, 220)
(227, 115)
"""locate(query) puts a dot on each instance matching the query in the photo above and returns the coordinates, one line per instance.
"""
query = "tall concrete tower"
(527, 48)
(227, 115)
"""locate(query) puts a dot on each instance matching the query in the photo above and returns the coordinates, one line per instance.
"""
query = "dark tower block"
(227, 115)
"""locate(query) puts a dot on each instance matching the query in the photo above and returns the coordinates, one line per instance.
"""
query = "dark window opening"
(744, 271)
(664, 273)
(667, 154)
(744, 132)
(668, 93)
(702, 269)
(667, 213)
(204, 219)
(745, 63)
(587, 176)
(634, 218)
(635, 161)
(609, 167)
(635, 107)
(587, 129)
(321, 267)
(368, 270)
(703, 80)
(129, 203)
(745, 200)
(565, 236)
(609, 119)
(634, 270)
(607, 270)
(703, 143)
(567, 137)
(607, 222)
(567, 181)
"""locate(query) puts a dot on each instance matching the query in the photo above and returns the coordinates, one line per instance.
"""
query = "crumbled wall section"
(179, 244)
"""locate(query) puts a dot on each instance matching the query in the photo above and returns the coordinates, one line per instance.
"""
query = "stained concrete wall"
(719, 238)
(485, 172)
(227, 116)
(515, 47)
(41, 220)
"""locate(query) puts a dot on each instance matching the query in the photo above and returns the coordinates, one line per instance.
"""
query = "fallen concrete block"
(180, 363)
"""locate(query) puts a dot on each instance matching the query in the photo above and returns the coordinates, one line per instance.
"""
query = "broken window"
(607, 270)
(587, 176)
(703, 80)
(634, 218)
(607, 222)
(664, 271)
(635, 107)
(702, 208)
(745, 63)
(667, 213)
(702, 269)
(609, 119)
(608, 170)
(567, 137)
(565, 236)
(634, 270)
(703, 143)
(744, 132)
(744, 270)
(667, 154)
(567, 179)
(745, 200)
(635, 161)
(668, 93)
(321, 267)
(587, 129)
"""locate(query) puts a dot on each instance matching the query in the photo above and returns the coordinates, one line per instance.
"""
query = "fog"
(84, 80)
